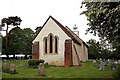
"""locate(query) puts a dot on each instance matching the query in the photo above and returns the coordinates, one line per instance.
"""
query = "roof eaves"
(42, 27)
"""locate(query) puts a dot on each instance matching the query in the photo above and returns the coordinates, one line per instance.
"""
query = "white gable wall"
(52, 27)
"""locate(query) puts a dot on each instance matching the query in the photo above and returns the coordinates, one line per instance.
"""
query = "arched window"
(45, 44)
(56, 44)
(51, 43)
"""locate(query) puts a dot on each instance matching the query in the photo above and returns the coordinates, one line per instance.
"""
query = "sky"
(35, 12)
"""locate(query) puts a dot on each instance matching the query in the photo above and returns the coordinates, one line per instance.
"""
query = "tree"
(14, 21)
(29, 36)
(16, 41)
(93, 49)
(19, 41)
(97, 49)
(104, 21)
(5, 50)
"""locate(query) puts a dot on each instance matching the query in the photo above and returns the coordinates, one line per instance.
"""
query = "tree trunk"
(25, 56)
(7, 37)
(13, 56)
(7, 56)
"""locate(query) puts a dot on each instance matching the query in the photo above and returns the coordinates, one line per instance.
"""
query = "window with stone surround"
(50, 44)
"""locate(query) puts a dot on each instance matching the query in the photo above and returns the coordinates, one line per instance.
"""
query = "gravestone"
(105, 62)
(94, 61)
(118, 61)
(108, 61)
(102, 65)
(4, 66)
(21, 63)
(41, 69)
(13, 68)
(113, 66)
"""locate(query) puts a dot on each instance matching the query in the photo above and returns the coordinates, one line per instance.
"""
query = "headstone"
(94, 61)
(41, 70)
(13, 68)
(21, 63)
(105, 62)
(118, 61)
(102, 65)
(4, 66)
(108, 61)
(113, 66)
(100, 59)
(115, 62)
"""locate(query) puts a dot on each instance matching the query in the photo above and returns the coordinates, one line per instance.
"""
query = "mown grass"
(87, 70)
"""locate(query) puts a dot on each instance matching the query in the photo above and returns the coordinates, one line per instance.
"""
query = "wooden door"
(68, 53)
(35, 50)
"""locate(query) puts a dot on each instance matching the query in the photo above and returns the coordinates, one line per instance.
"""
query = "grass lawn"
(87, 70)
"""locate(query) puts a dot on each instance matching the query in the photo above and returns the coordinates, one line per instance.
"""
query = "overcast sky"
(35, 12)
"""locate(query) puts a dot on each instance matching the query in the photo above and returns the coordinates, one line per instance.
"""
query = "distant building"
(58, 45)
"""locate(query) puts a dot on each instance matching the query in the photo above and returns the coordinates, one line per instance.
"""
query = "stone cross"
(41, 70)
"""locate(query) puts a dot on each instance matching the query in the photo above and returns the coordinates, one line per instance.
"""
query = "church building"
(58, 45)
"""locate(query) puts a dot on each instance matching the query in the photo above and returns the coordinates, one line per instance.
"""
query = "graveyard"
(86, 70)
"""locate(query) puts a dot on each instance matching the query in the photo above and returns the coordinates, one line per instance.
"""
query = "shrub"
(41, 61)
(46, 65)
(34, 63)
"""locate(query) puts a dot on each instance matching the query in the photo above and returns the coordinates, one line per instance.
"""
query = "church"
(58, 45)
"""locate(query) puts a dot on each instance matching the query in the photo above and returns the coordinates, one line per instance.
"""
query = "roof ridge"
(68, 31)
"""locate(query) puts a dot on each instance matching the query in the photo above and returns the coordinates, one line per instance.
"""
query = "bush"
(34, 63)
(46, 65)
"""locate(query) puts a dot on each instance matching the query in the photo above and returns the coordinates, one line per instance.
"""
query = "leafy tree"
(16, 41)
(19, 41)
(29, 36)
(13, 20)
(104, 20)
(93, 49)
(98, 50)
(5, 50)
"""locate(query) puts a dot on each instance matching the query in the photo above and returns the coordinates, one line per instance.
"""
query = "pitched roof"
(67, 30)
